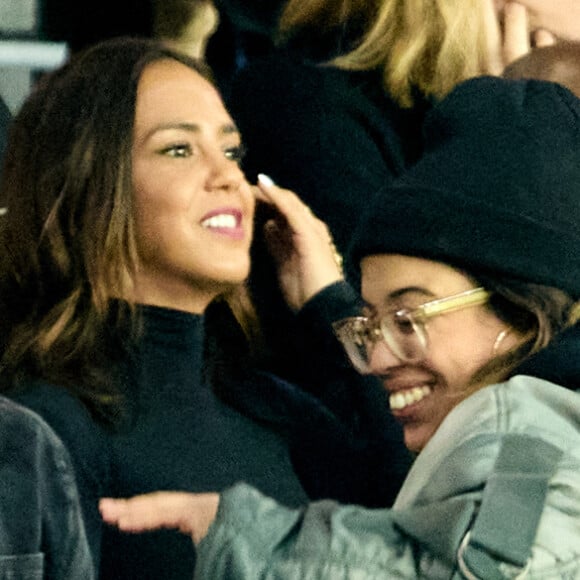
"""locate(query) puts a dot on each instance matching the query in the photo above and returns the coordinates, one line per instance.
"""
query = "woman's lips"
(407, 387)
(404, 398)
(224, 221)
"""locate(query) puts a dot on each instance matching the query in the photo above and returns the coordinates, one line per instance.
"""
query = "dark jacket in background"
(332, 136)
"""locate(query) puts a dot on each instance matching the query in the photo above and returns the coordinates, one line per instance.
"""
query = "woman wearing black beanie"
(471, 275)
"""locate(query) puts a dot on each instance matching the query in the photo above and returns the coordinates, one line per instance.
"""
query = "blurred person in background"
(558, 63)
(186, 25)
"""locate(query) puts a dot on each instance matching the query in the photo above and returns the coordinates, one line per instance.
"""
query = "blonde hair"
(424, 45)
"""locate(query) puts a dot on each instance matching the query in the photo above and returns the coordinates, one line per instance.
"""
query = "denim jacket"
(41, 530)
(467, 509)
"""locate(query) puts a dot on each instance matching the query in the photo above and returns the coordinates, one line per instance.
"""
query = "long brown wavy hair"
(67, 242)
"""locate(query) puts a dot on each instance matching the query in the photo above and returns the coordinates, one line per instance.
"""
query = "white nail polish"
(265, 180)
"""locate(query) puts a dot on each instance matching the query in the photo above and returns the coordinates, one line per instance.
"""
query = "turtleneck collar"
(167, 361)
(173, 328)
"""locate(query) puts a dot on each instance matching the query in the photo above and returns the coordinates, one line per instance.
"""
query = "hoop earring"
(500, 338)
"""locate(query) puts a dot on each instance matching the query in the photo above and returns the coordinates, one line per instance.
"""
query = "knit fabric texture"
(497, 190)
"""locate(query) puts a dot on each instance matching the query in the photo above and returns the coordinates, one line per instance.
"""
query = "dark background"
(245, 30)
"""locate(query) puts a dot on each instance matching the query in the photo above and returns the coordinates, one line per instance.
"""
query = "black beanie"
(497, 190)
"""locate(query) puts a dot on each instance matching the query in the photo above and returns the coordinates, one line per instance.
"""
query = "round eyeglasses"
(403, 330)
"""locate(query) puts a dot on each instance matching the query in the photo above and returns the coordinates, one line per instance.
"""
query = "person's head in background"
(185, 25)
(472, 264)
(421, 46)
(321, 29)
(559, 63)
(123, 187)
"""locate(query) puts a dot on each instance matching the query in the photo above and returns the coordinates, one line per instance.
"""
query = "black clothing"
(332, 136)
(559, 362)
(177, 436)
(81, 24)
(496, 190)
(352, 451)
(258, 16)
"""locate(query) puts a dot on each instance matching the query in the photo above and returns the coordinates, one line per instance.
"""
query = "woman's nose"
(225, 173)
(381, 358)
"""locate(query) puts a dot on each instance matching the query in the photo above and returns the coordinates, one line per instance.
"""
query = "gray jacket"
(41, 531)
(496, 491)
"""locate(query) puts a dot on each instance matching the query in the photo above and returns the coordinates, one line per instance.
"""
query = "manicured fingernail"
(265, 180)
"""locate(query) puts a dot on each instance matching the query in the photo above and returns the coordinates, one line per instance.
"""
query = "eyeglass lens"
(404, 337)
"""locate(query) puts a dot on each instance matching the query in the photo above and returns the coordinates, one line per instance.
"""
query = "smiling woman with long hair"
(128, 214)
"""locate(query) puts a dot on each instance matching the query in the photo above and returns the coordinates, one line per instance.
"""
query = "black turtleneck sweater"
(179, 436)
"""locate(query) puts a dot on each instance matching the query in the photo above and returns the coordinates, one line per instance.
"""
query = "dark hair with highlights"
(536, 312)
(67, 242)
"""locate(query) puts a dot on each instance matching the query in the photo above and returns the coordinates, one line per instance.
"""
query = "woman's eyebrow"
(226, 129)
(229, 128)
(406, 291)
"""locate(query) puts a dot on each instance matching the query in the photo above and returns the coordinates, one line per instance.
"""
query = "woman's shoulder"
(527, 404)
(21, 423)
(522, 404)
(46, 398)
(64, 413)
(539, 406)
(469, 439)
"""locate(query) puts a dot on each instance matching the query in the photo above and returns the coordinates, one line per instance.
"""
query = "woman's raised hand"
(190, 513)
(301, 245)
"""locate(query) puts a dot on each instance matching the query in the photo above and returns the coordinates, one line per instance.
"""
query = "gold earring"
(500, 338)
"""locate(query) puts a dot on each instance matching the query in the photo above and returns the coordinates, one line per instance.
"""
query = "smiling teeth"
(403, 399)
(220, 221)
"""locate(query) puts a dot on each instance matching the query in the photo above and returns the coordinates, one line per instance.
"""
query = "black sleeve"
(366, 461)
(344, 442)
